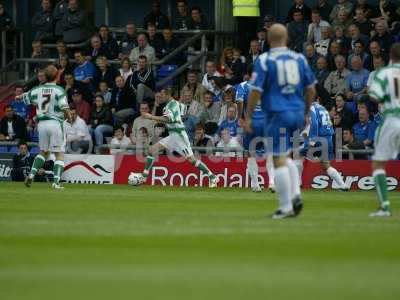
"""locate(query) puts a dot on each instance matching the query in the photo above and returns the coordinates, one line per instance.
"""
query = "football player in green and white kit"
(177, 140)
(385, 89)
(51, 108)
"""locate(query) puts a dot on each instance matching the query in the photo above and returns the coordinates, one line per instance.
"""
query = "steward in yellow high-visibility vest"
(246, 8)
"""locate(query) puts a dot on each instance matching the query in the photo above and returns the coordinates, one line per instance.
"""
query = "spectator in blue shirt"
(19, 106)
(231, 121)
(356, 82)
(85, 71)
(364, 129)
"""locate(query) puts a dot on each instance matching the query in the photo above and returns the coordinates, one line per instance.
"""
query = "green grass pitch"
(119, 242)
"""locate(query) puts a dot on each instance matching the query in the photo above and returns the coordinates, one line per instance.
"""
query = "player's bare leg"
(334, 175)
(212, 178)
(379, 174)
(38, 163)
(58, 170)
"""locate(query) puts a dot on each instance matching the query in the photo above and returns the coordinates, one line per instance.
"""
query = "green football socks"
(58, 170)
(37, 165)
(148, 165)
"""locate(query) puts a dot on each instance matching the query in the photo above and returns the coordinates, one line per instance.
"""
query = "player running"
(385, 89)
(51, 108)
(282, 79)
(177, 140)
(258, 124)
(319, 139)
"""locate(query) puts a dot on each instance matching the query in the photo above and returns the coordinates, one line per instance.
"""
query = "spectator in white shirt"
(228, 142)
(77, 134)
(211, 71)
(314, 29)
(322, 46)
(119, 141)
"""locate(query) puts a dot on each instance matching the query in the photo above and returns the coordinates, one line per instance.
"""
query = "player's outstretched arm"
(156, 118)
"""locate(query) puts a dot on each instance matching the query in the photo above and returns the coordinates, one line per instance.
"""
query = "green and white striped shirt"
(50, 101)
(174, 111)
(385, 88)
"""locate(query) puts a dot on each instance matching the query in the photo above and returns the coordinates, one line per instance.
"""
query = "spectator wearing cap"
(314, 29)
(299, 5)
(74, 23)
(76, 133)
(106, 72)
(60, 9)
(356, 82)
(336, 81)
(12, 126)
(82, 107)
(383, 36)
(197, 19)
(193, 84)
(341, 5)
(142, 82)
(297, 30)
(96, 49)
(123, 104)
(42, 22)
(100, 120)
(5, 19)
(143, 48)
(156, 17)
(211, 71)
(324, 9)
(129, 40)
(85, 71)
(359, 51)
(109, 43)
(364, 25)
(181, 18)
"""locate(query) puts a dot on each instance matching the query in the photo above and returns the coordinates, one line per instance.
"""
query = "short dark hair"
(196, 8)
(22, 142)
(199, 126)
(316, 11)
(395, 52)
(103, 26)
(118, 128)
(297, 11)
(142, 57)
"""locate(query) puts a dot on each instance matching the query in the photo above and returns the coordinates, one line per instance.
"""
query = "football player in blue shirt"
(254, 139)
(319, 143)
(285, 84)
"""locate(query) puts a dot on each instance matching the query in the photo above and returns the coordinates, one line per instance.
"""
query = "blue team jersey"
(242, 95)
(281, 75)
(321, 124)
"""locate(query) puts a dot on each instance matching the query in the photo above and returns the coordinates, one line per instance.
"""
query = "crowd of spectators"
(344, 45)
